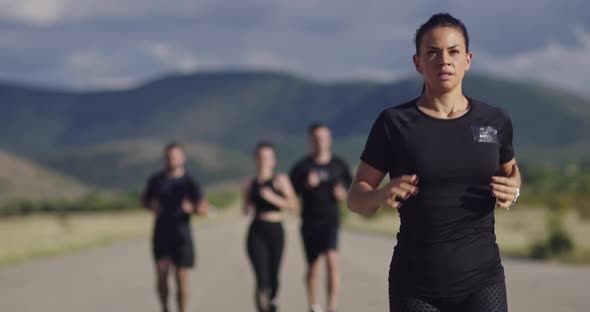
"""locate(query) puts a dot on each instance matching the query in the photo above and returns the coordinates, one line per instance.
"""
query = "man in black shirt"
(173, 195)
(322, 181)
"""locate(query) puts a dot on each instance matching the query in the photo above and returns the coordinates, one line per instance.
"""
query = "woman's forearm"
(363, 198)
(282, 202)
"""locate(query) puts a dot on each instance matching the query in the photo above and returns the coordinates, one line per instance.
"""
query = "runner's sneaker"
(315, 308)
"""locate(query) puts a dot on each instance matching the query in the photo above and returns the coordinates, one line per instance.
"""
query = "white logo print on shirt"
(484, 134)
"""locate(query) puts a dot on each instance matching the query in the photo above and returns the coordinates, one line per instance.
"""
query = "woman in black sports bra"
(265, 197)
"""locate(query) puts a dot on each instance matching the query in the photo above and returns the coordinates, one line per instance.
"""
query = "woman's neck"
(264, 174)
(446, 105)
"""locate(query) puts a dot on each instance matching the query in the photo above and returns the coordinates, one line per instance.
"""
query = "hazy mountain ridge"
(113, 138)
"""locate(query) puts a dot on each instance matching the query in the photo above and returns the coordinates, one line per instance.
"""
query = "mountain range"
(113, 139)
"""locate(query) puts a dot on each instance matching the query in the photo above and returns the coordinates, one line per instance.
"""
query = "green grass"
(26, 238)
(33, 237)
(223, 199)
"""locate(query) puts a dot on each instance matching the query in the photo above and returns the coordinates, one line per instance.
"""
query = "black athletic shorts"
(180, 251)
(319, 237)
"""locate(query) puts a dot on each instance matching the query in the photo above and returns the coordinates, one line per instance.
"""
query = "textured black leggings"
(265, 250)
(488, 299)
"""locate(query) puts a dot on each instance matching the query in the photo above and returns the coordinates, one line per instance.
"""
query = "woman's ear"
(469, 58)
(417, 63)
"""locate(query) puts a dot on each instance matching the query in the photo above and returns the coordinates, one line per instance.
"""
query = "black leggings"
(265, 250)
(491, 298)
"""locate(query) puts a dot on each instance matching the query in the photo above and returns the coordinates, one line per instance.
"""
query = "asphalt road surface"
(121, 278)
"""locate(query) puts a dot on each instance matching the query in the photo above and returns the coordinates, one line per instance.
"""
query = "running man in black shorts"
(451, 162)
(322, 181)
(173, 195)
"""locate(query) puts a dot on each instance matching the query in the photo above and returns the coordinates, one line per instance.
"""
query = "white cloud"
(555, 64)
(110, 83)
(160, 51)
(89, 9)
(35, 12)
(85, 42)
(264, 59)
(49, 12)
(378, 74)
(85, 60)
(174, 58)
(91, 69)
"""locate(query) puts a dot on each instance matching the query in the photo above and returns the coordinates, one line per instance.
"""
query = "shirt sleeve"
(505, 134)
(195, 191)
(377, 152)
(346, 176)
(149, 192)
(296, 175)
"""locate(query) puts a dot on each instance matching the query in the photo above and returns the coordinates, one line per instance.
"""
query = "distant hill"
(124, 164)
(24, 179)
(113, 139)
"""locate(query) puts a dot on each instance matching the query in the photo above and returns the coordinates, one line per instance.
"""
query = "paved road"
(120, 278)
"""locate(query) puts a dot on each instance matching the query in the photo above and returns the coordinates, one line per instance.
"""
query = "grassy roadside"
(26, 238)
(516, 230)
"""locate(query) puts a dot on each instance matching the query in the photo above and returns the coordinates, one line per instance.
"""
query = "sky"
(98, 44)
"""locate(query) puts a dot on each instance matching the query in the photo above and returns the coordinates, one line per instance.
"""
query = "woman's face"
(266, 159)
(443, 59)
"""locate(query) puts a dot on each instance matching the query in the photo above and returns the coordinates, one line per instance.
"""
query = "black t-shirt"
(319, 203)
(446, 243)
(260, 204)
(172, 222)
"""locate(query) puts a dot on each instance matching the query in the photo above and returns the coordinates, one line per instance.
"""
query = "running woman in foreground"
(451, 162)
(173, 195)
